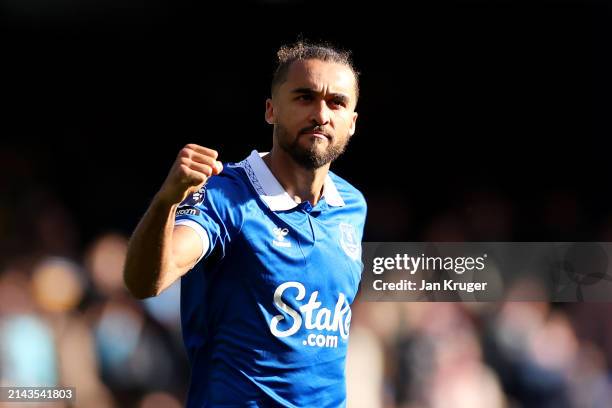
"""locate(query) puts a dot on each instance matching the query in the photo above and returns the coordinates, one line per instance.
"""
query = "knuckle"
(183, 169)
(185, 152)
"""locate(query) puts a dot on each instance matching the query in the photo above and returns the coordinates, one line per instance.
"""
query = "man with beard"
(268, 250)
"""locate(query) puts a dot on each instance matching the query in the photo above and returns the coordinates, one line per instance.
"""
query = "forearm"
(153, 260)
(149, 262)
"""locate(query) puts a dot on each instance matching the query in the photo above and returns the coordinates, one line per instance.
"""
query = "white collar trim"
(271, 191)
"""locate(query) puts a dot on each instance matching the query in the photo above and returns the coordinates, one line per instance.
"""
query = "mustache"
(317, 129)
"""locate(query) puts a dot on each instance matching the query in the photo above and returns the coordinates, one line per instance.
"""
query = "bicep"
(188, 247)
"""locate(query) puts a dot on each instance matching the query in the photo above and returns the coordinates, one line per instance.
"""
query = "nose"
(320, 113)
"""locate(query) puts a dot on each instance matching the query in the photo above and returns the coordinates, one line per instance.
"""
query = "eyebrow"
(311, 91)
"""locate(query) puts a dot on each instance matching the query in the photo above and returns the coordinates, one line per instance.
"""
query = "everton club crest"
(348, 241)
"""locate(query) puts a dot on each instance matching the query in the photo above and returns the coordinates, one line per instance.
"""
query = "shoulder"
(230, 185)
(224, 190)
(231, 178)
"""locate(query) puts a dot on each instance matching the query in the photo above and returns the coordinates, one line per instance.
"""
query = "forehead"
(320, 75)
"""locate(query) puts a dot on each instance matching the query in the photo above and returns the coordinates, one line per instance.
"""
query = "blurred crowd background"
(479, 121)
(66, 319)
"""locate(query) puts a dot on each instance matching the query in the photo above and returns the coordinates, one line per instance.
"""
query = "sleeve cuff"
(201, 233)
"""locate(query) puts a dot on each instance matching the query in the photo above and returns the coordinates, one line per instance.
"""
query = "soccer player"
(268, 249)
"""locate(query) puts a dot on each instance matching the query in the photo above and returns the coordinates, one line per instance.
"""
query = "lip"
(317, 135)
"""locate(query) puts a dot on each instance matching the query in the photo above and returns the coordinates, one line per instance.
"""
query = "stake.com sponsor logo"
(313, 316)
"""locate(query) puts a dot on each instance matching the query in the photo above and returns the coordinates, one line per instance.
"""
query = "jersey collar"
(271, 191)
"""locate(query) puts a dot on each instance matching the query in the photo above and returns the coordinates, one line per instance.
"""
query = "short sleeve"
(212, 212)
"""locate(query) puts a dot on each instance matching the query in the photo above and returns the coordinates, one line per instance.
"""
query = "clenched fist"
(193, 166)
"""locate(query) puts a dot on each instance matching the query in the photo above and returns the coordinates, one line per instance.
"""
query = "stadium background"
(478, 121)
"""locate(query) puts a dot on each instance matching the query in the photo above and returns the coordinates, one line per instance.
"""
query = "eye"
(305, 97)
(338, 102)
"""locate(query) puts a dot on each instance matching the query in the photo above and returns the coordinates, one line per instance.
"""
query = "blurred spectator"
(104, 260)
(364, 369)
(126, 337)
(59, 286)
(27, 349)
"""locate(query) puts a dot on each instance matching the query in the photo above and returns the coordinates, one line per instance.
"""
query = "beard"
(309, 157)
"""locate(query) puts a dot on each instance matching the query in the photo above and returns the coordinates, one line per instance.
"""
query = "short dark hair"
(302, 50)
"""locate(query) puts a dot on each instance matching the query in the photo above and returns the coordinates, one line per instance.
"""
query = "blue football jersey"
(266, 311)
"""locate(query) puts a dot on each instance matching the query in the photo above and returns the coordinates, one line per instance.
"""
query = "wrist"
(162, 201)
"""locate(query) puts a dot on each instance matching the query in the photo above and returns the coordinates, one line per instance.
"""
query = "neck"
(300, 183)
